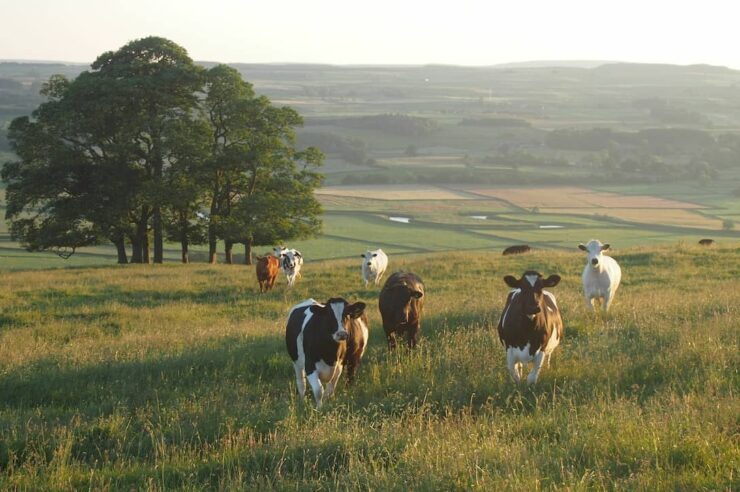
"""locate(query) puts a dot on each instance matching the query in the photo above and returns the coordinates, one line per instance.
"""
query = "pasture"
(176, 377)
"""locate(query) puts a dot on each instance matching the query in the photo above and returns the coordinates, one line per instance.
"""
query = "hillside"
(172, 376)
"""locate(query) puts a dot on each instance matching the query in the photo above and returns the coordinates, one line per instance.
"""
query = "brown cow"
(706, 242)
(517, 249)
(267, 269)
(401, 302)
(530, 327)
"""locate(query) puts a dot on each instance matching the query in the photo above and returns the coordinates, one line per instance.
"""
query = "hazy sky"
(461, 32)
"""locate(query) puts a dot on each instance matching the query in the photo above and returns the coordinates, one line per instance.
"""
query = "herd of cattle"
(323, 339)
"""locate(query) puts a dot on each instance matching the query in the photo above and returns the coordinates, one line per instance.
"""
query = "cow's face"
(403, 294)
(367, 257)
(594, 249)
(530, 287)
(279, 251)
(340, 314)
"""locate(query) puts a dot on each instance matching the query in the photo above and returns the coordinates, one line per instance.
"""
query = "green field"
(173, 376)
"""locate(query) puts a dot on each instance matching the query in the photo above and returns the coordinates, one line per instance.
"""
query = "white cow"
(291, 261)
(374, 264)
(601, 275)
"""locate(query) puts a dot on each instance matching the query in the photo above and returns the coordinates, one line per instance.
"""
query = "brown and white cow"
(401, 302)
(267, 269)
(322, 339)
(530, 327)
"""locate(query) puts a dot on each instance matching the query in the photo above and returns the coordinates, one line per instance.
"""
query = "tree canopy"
(147, 141)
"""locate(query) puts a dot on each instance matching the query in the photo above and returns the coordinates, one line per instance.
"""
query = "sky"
(412, 32)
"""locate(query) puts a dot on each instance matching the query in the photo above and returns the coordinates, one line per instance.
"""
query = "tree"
(253, 180)
(156, 83)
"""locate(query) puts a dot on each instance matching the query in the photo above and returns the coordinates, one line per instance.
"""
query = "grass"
(176, 377)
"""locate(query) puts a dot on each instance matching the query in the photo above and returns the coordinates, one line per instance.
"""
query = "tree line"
(148, 147)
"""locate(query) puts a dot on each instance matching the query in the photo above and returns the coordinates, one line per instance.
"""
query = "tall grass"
(177, 376)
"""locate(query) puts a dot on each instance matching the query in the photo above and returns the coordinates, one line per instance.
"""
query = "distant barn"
(517, 249)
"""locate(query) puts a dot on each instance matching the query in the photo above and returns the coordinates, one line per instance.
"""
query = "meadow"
(176, 377)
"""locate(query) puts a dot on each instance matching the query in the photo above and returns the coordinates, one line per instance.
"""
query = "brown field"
(573, 197)
(670, 216)
(393, 192)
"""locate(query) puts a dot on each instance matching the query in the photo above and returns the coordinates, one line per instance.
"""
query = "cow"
(706, 242)
(601, 275)
(374, 264)
(322, 339)
(517, 249)
(291, 261)
(267, 269)
(401, 302)
(530, 327)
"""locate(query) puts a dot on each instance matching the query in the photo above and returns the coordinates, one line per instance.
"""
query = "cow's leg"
(318, 390)
(607, 300)
(539, 358)
(589, 302)
(332, 384)
(300, 377)
(513, 365)
(391, 338)
(547, 359)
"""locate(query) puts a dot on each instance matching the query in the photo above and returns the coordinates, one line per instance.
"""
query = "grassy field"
(176, 377)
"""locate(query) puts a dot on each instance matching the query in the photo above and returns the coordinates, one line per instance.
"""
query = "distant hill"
(556, 63)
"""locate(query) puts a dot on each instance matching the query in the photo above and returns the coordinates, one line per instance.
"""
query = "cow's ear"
(582, 247)
(604, 247)
(362, 255)
(416, 294)
(298, 254)
(375, 254)
(355, 310)
(511, 281)
(551, 281)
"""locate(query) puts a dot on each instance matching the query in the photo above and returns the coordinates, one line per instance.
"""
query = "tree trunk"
(121, 250)
(212, 241)
(145, 245)
(247, 252)
(158, 239)
(228, 249)
(135, 249)
(184, 245)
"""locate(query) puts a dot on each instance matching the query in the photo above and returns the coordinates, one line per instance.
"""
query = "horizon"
(470, 33)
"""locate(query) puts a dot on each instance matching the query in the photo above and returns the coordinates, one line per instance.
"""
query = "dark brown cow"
(517, 249)
(401, 303)
(530, 327)
(706, 242)
(267, 269)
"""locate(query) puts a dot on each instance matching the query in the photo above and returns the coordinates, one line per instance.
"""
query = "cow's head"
(340, 314)
(279, 251)
(530, 285)
(402, 294)
(368, 257)
(594, 249)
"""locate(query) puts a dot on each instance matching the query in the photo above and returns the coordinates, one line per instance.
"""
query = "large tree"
(255, 184)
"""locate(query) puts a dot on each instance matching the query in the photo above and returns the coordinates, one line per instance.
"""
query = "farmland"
(176, 376)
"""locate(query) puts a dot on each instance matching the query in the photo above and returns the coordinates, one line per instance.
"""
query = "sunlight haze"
(383, 32)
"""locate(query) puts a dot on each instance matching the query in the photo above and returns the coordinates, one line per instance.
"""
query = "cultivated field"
(176, 377)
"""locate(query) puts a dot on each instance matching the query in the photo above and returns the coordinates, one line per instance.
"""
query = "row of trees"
(148, 147)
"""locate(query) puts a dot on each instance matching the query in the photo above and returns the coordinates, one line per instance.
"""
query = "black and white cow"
(530, 327)
(291, 261)
(322, 339)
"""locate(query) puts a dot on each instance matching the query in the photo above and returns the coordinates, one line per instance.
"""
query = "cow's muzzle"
(341, 336)
(594, 261)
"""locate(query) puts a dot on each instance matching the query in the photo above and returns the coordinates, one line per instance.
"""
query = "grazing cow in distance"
(706, 242)
(601, 275)
(374, 264)
(322, 339)
(267, 269)
(530, 327)
(517, 249)
(291, 261)
(401, 302)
